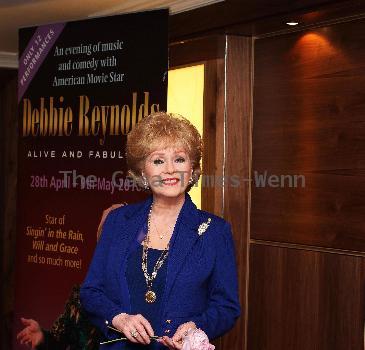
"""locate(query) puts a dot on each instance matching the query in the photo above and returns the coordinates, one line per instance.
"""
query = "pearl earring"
(191, 180)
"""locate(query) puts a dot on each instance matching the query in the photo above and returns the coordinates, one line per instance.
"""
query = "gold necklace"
(161, 236)
(150, 295)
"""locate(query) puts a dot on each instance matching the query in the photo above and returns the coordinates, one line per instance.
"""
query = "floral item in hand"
(196, 339)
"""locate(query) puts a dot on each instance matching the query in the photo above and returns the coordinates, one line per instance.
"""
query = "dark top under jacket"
(137, 283)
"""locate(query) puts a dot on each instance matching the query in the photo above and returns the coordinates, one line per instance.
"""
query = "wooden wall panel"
(212, 196)
(309, 120)
(197, 50)
(305, 300)
(237, 150)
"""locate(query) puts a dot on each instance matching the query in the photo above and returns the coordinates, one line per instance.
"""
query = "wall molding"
(175, 6)
(308, 247)
(8, 59)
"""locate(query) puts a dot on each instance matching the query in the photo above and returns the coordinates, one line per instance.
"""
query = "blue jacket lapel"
(184, 237)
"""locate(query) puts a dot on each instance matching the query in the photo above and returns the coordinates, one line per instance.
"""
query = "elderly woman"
(162, 266)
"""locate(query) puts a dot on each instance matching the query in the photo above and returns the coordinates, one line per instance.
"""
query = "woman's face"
(168, 171)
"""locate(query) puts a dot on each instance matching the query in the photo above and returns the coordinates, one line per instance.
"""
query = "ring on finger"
(134, 333)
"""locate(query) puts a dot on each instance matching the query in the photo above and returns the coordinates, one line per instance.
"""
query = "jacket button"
(106, 322)
(167, 331)
(168, 321)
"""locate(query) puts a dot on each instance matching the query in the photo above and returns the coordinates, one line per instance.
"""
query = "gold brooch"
(203, 226)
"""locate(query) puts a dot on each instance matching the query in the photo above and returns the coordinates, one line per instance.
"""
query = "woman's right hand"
(135, 327)
(32, 334)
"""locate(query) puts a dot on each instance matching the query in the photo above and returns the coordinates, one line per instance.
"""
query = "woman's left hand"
(176, 342)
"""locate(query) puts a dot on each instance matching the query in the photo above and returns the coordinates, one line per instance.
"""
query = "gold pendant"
(150, 296)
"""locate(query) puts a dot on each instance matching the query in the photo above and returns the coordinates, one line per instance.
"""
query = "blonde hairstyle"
(158, 130)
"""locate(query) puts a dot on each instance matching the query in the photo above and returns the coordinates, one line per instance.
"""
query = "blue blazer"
(201, 283)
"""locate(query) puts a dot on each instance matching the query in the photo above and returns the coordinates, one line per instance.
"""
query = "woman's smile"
(171, 181)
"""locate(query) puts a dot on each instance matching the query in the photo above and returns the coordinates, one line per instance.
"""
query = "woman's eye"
(157, 161)
(180, 160)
